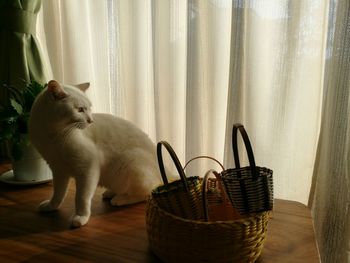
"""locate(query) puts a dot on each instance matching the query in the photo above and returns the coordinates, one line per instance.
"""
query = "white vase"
(31, 168)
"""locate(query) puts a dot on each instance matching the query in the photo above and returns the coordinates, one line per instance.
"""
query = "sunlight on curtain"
(185, 71)
(173, 71)
(276, 87)
(76, 34)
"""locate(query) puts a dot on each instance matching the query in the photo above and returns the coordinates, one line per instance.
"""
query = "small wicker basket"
(250, 188)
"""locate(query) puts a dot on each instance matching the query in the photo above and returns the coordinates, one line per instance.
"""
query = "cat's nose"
(90, 120)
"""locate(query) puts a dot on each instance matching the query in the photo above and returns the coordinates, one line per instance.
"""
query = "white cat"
(94, 149)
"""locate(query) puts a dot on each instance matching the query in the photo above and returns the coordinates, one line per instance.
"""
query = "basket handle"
(204, 157)
(175, 160)
(248, 147)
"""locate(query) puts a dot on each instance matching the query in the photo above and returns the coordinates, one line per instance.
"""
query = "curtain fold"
(134, 51)
(169, 23)
(208, 41)
(21, 58)
(330, 195)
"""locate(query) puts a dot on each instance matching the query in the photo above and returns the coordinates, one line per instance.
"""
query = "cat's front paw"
(46, 206)
(79, 221)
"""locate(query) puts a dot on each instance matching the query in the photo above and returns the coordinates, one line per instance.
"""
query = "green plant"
(14, 114)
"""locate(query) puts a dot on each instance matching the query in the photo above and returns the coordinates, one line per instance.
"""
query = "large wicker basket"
(176, 239)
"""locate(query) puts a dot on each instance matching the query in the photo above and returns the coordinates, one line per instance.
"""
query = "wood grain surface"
(117, 234)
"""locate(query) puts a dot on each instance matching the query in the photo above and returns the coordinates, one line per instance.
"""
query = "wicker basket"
(176, 239)
(181, 197)
(250, 188)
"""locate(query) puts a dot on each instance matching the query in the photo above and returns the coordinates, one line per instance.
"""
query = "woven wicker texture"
(181, 197)
(249, 195)
(250, 188)
(175, 239)
(175, 199)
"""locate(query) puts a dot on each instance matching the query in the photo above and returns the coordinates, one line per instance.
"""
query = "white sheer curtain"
(75, 34)
(277, 55)
(184, 71)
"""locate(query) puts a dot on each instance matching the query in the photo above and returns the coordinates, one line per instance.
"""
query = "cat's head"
(65, 106)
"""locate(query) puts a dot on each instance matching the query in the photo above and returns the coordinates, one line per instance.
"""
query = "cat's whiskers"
(80, 125)
(65, 132)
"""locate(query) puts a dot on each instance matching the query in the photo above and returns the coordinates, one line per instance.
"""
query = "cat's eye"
(81, 109)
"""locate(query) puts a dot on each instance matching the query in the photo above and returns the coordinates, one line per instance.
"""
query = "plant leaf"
(18, 107)
(30, 93)
(16, 94)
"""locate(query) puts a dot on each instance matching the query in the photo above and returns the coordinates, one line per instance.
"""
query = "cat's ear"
(56, 90)
(83, 87)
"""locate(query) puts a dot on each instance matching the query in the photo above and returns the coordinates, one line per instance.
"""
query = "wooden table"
(118, 234)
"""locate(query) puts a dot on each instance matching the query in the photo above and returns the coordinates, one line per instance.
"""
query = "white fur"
(94, 149)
